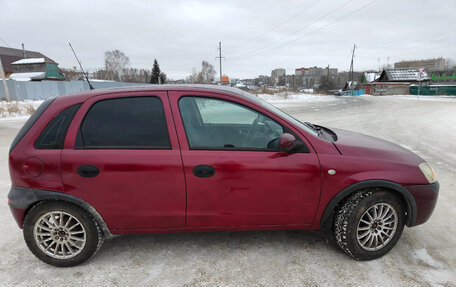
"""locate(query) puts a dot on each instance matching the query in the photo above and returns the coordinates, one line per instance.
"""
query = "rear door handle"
(88, 170)
(203, 170)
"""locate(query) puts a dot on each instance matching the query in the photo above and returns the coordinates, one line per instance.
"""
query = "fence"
(49, 89)
(433, 90)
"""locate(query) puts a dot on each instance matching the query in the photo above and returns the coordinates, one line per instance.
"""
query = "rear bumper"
(19, 199)
(425, 196)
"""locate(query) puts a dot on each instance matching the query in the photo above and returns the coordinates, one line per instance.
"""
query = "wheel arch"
(27, 198)
(327, 218)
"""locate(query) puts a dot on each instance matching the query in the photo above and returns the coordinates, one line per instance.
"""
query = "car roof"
(83, 96)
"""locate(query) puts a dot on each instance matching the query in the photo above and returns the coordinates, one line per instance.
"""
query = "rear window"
(125, 123)
(30, 122)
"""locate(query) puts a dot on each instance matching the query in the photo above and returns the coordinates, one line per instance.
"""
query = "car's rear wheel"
(368, 224)
(61, 234)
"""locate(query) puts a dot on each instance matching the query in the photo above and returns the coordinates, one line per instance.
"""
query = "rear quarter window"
(53, 135)
(30, 122)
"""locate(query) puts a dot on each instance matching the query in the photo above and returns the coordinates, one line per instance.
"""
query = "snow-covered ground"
(424, 256)
(18, 108)
(290, 97)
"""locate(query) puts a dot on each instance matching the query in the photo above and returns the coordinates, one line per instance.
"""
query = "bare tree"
(205, 76)
(99, 74)
(115, 63)
(207, 73)
(71, 74)
(192, 79)
(451, 63)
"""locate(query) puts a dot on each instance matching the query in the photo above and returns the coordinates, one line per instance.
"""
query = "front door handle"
(88, 170)
(203, 170)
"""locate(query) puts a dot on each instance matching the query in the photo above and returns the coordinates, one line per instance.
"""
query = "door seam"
(180, 153)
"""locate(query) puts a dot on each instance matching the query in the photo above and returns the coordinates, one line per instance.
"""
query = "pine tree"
(156, 74)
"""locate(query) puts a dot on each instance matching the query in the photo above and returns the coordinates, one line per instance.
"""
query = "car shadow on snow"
(220, 244)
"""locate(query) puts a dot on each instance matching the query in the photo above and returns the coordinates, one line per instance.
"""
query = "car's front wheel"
(368, 224)
(61, 234)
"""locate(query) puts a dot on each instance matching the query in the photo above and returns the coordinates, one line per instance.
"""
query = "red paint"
(426, 200)
(287, 141)
(145, 191)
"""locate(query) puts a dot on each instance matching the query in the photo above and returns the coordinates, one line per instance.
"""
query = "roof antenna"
(87, 78)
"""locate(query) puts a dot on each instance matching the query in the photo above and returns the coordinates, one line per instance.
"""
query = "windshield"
(281, 113)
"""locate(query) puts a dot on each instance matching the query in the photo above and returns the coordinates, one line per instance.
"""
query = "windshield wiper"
(318, 129)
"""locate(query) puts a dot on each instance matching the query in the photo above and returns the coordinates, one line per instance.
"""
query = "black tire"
(93, 234)
(347, 220)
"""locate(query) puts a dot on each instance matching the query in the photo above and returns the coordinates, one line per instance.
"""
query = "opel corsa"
(159, 159)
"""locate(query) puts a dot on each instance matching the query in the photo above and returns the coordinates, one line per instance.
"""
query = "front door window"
(218, 124)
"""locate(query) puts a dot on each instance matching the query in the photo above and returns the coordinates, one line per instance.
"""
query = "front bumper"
(425, 196)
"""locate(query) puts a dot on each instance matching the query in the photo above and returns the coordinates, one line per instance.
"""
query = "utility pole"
(351, 71)
(220, 59)
(2, 74)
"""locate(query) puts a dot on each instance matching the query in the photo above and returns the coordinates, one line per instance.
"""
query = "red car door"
(234, 173)
(122, 156)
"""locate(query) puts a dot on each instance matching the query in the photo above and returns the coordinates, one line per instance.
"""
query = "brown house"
(10, 55)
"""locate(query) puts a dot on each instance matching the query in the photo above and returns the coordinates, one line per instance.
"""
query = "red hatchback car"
(180, 158)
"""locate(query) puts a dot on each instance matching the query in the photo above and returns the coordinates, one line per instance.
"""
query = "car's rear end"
(34, 156)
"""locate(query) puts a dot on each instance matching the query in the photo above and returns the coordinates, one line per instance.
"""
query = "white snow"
(422, 255)
(289, 97)
(102, 81)
(422, 98)
(27, 76)
(29, 61)
(371, 77)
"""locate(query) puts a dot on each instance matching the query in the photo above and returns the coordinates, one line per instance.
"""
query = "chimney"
(23, 51)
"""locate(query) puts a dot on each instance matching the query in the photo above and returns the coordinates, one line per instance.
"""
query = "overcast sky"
(257, 35)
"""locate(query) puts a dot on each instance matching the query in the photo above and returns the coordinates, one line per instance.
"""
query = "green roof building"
(35, 69)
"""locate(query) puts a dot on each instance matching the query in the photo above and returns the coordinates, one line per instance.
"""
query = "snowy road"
(424, 256)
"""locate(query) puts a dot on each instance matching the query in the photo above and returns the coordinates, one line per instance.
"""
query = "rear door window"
(125, 123)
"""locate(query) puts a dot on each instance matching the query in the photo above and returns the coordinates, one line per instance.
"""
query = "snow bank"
(288, 97)
(18, 108)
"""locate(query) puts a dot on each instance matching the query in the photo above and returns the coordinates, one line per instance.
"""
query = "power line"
(277, 26)
(251, 54)
(407, 51)
(298, 30)
(256, 19)
(417, 41)
(5, 43)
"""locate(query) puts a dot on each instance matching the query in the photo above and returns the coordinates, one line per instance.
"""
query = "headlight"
(428, 172)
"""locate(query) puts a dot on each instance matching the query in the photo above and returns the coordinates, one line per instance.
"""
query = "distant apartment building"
(277, 74)
(438, 64)
(300, 71)
(315, 76)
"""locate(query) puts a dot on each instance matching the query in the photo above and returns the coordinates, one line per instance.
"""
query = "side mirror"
(286, 142)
